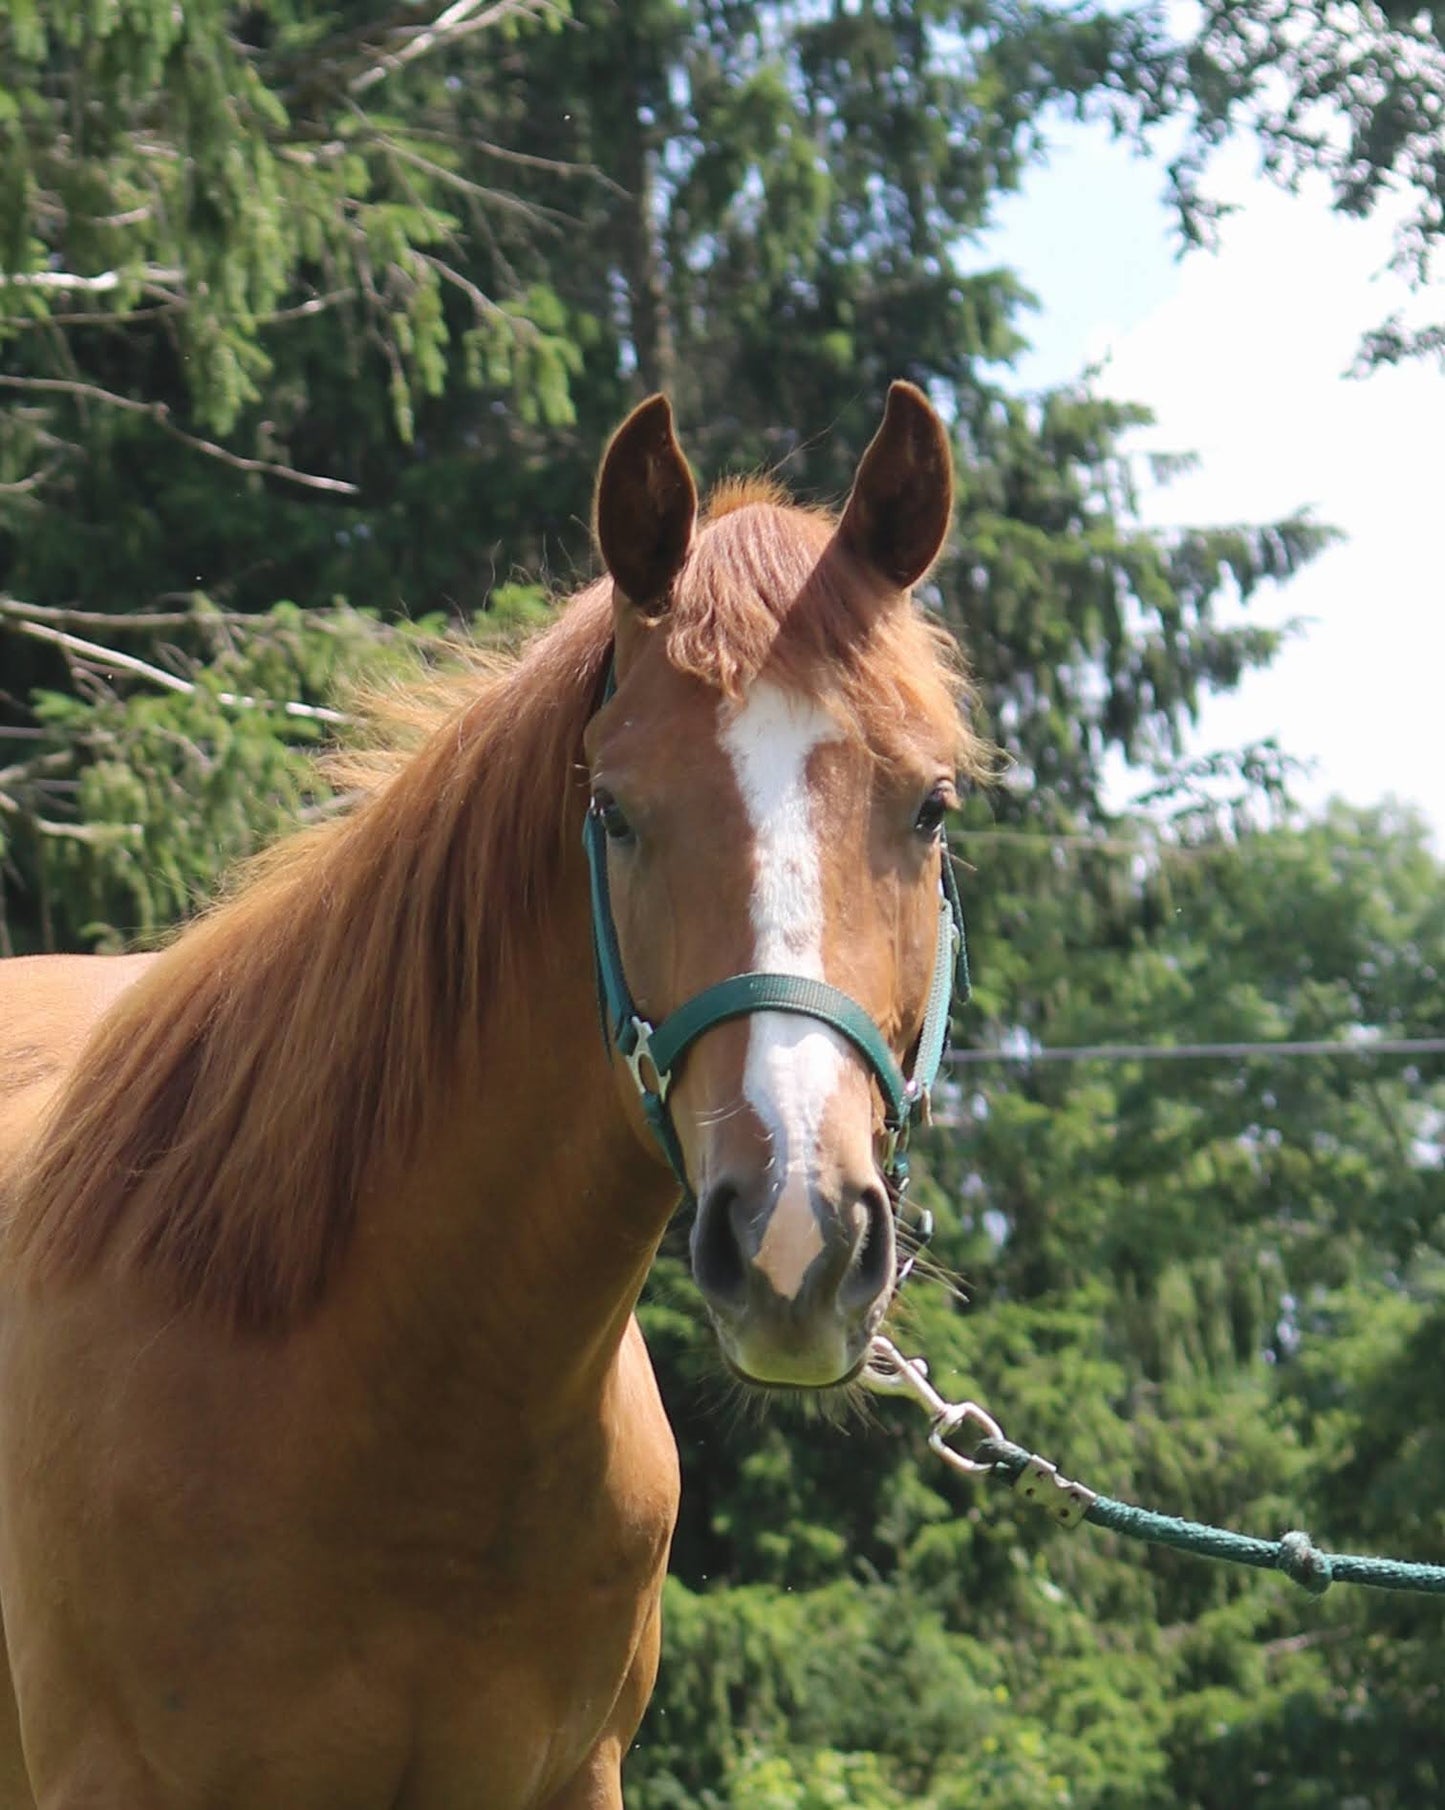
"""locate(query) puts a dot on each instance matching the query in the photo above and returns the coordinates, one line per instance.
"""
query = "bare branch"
(485, 307)
(316, 713)
(323, 153)
(131, 216)
(103, 656)
(458, 20)
(97, 834)
(30, 769)
(301, 310)
(160, 413)
(528, 160)
(67, 282)
(27, 486)
(465, 186)
(144, 621)
(97, 317)
(96, 655)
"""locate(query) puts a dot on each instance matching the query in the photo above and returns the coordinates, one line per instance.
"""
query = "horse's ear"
(646, 506)
(898, 515)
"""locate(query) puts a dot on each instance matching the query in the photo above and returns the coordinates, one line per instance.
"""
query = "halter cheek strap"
(652, 1053)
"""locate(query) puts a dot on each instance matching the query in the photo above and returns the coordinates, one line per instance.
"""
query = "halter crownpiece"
(652, 1052)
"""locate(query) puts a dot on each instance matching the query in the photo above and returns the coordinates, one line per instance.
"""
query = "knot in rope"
(1302, 1561)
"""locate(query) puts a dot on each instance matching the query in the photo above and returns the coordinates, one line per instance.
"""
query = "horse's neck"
(523, 1230)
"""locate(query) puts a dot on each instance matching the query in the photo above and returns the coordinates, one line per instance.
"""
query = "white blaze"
(793, 1063)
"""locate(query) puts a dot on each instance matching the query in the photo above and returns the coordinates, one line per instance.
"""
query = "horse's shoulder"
(651, 1445)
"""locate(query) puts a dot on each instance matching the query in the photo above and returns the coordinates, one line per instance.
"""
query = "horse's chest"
(409, 1626)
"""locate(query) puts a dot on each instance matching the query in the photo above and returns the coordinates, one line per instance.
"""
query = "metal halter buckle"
(641, 1052)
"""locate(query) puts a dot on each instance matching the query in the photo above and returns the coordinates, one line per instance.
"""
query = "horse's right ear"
(646, 506)
(898, 515)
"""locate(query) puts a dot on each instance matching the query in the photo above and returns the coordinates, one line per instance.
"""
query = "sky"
(1241, 354)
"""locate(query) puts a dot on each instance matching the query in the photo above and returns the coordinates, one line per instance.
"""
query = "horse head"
(770, 773)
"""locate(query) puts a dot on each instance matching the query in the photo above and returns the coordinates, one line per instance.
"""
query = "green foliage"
(145, 783)
(241, 295)
(171, 785)
(849, 1695)
(1210, 1288)
(224, 159)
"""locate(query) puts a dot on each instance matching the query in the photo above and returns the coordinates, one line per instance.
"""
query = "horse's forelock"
(771, 590)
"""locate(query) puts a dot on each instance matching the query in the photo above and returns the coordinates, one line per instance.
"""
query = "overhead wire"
(1291, 1049)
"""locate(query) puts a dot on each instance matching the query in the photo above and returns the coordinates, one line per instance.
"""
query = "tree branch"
(528, 160)
(481, 302)
(28, 486)
(67, 282)
(103, 656)
(94, 833)
(26, 769)
(456, 21)
(96, 655)
(145, 621)
(318, 304)
(464, 185)
(96, 317)
(160, 413)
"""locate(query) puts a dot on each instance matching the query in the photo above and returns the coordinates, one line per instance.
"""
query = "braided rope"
(1295, 1555)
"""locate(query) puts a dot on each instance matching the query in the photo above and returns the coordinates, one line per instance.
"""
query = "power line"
(1198, 1052)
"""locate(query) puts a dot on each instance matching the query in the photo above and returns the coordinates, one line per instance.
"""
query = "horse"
(333, 1471)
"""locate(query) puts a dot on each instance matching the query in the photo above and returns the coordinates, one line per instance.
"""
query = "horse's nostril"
(872, 1267)
(718, 1265)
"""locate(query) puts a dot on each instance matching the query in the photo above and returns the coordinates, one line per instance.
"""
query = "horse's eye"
(933, 810)
(611, 816)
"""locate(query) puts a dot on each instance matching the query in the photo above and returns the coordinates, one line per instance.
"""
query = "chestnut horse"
(333, 1474)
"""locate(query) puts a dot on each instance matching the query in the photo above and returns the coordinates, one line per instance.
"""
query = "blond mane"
(222, 1128)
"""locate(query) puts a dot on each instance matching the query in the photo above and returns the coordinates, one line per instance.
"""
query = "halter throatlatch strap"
(652, 1053)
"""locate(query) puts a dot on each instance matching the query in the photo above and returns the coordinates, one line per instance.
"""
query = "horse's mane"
(221, 1127)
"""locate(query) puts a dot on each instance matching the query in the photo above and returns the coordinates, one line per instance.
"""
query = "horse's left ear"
(646, 506)
(898, 515)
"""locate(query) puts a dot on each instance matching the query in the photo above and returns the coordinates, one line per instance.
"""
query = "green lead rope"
(1295, 1555)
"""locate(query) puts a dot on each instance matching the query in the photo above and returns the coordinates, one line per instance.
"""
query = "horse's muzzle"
(796, 1282)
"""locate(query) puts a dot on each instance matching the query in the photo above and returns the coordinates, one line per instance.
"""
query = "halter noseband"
(653, 1052)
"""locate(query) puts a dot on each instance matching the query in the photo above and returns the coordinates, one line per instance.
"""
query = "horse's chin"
(845, 1402)
(801, 1386)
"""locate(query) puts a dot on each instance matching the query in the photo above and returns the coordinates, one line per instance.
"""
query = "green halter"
(653, 1052)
